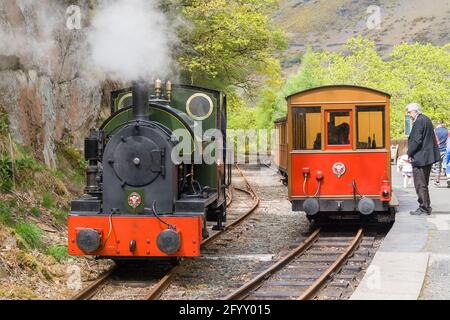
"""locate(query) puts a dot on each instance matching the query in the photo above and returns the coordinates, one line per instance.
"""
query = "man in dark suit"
(424, 152)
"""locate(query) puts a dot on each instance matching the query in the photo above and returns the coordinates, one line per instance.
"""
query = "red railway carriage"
(338, 153)
(281, 159)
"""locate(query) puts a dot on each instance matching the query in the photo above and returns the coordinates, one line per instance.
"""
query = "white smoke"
(130, 40)
(31, 36)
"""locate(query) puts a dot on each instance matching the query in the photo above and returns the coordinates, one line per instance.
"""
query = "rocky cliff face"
(41, 86)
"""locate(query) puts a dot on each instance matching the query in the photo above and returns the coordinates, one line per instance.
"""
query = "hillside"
(326, 25)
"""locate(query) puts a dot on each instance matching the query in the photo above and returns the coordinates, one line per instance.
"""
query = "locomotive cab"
(339, 154)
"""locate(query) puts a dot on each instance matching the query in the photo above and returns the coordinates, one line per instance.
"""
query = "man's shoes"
(420, 212)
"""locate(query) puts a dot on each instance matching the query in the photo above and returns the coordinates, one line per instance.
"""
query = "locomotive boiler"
(139, 202)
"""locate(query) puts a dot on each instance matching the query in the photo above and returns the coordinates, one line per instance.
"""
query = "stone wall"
(41, 82)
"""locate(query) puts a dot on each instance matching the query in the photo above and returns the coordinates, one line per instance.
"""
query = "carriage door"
(338, 129)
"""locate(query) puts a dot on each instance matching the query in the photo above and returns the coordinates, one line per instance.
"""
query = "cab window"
(307, 128)
(370, 127)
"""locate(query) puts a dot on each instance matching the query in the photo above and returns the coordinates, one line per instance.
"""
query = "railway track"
(322, 266)
(153, 289)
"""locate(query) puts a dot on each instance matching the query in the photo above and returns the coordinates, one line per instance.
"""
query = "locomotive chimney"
(140, 101)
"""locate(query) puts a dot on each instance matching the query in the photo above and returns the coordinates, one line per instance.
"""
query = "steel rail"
(238, 221)
(157, 291)
(164, 283)
(243, 291)
(229, 193)
(90, 291)
(311, 292)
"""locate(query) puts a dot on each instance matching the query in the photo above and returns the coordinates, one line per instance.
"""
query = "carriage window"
(370, 124)
(339, 128)
(307, 128)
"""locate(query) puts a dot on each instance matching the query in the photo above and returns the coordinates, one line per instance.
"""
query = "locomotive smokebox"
(140, 101)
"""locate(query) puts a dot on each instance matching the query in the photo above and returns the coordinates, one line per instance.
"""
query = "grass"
(60, 253)
(5, 215)
(35, 212)
(31, 234)
(16, 292)
(6, 183)
(313, 17)
(60, 216)
(4, 121)
(71, 164)
(47, 200)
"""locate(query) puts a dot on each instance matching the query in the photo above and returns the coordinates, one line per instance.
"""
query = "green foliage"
(60, 216)
(31, 234)
(5, 214)
(24, 167)
(47, 200)
(26, 163)
(6, 182)
(60, 253)
(412, 73)
(35, 212)
(272, 103)
(228, 41)
(71, 164)
(240, 117)
(4, 122)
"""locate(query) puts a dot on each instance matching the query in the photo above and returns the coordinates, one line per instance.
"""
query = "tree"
(412, 73)
(228, 43)
(272, 103)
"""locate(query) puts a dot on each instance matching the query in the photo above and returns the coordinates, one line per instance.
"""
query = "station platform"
(413, 262)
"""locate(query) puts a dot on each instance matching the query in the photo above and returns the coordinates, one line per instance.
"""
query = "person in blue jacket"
(447, 162)
(442, 134)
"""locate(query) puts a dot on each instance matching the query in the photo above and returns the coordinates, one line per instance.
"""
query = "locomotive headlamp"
(88, 240)
(366, 206)
(311, 206)
(168, 241)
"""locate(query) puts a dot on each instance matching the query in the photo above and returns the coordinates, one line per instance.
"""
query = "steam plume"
(130, 40)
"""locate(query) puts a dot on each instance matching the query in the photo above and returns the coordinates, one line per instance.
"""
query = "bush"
(47, 201)
(60, 253)
(31, 234)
